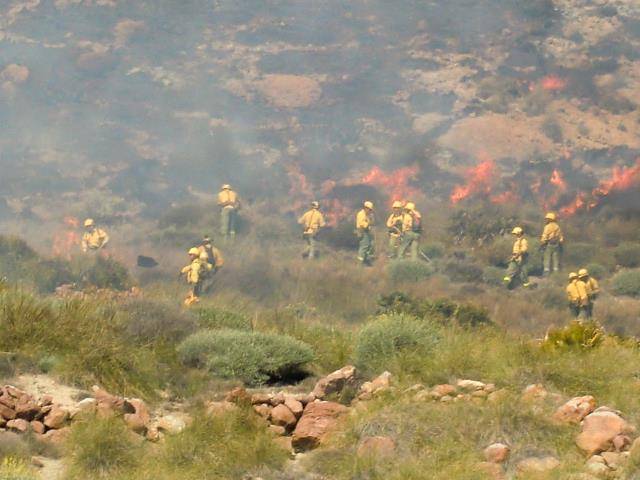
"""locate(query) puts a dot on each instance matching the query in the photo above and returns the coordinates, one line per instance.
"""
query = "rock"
(597, 467)
(56, 418)
(281, 415)
(238, 395)
(289, 91)
(18, 425)
(295, 406)
(27, 409)
(277, 430)
(423, 396)
(171, 424)
(153, 434)
(621, 443)
(140, 418)
(489, 388)
(377, 447)
(446, 399)
(575, 409)
(15, 73)
(6, 412)
(284, 442)
(263, 410)
(470, 385)
(317, 420)
(215, 409)
(37, 462)
(8, 401)
(481, 394)
(56, 437)
(37, 427)
(13, 391)
(335, 382)
(87, 405)
(46, 400)
(534, 392)
(614, 460)
(598, 431)
(378, 384)
(498, 396)
(440, 391)
(258, 398)
(277, 399)
(107, 404)
(497, 453)
(492, 470)
(534, 465)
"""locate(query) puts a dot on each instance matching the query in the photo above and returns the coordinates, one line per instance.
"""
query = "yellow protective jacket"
(217, 261)
(520, 247)
(94, 240)
(409, 220)
(552, 233)
(195, 270)
(394, 223)
(577, 293)
(228, 199)
(592, 286)
(364, 220)
(312, 221)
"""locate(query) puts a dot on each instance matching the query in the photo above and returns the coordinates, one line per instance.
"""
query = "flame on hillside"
(67, 239)
(395, 184)
(479, 180)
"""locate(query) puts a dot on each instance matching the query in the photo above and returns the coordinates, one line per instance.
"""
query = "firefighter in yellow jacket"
(312, 221)
(593, 289)
(411, 231)
(518, 267)
(394, 227)
(229, 204)
(94, 238)
(551, 242)
(195, 274)
(365, 221)
(577, 296)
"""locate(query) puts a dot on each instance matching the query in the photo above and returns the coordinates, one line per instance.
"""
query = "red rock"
(493, 471)
(575, 409)
(377, 447)
(295, 406)
(56, 418)
(7, 413)
(46, 400)
(37, 427)
(335, 382)
(440, 391)
(277, 430)
(8, 401)
(282, 416)
(220, 408)
(263, 410)
(106, 403)
(258, 398)
(621, 443)
(238, 395)
(56, 437)
(497, 453)
(598, 431)
(28, 410)
(317, 420)
(19, 425)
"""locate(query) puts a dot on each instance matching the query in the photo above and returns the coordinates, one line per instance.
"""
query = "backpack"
(416, 224)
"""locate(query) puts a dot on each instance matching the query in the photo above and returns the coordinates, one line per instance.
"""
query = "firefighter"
(211, 254)
(577, 296)
(518, 261)
(365, 221)
(592, 287)
(411, 231)
(312, 221)
(94, 238)
(551, 242)
(229, 204)
(195, 273)
(394, 226)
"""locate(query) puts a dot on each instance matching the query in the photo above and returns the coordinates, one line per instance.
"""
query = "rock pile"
(463, 390)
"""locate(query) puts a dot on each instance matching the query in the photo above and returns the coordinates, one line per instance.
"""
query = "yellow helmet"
(89, 222)
(226, 186)
(517, 231)
(368, 205)
(583, 272)
(397, 204)
(410, 206)
(315, 204)
(550, 216)
(194, 251)
(573, 276)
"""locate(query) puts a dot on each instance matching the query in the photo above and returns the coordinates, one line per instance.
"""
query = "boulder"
(56, 418)
(215, 409)
(317, 420)
(238, 395)
(492, 471)
(621, 443)
(264, 410)
(260, 397)
(534, 392)
(335, 382)
(171, 424)
(140, 418)
(282, 416)
(470, 385)
(497, 453)
(440, 391)
(614, 460)
(6, 412)
(377, 385)
(277, 430)
(18, 425)
(56, 437)
(598, 431)
(377, 447)
(107, 404)
(295, 406)
(277, 399)
(597, 466)
(87, 405)
(37, 427)
(7, 400)
(536, 465)
(575, 409)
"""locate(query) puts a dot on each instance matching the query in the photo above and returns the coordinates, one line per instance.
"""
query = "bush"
(100, 447)
(105, 272)
(212, 318)
(463, 272)
(626, 282)
(597, 270)
(409, 271)
(253, 357)
(579, 254)
(575, 335)
(392, 341)
(627, 254)
(148, 322)
(493, 275)
(433, 250)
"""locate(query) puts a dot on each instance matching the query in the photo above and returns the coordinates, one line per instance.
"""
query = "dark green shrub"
(106, 272)
(493, 275)
(147, 321)
(578, 254)
(463, 272)
(409, 271)
(433, 250)
(253, 357)
(213, 318)
(597, 270)
(390, 339)
(469, 315)
(497, 252)
(575, 335)
(627, 254)
(626, 282)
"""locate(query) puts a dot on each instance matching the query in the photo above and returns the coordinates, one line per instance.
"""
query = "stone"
(18, 425)
(284, 442)
(598, 431)
(238, 395)
(621, 443)
(335, 382)
(535, 465)
(15, 73)
(446, 399)
(423, 396)
(470, 385)
(56, 418)
(277, 399)
(376, 447)
(56, 437)
(440, 391)
(215, 409)
(378, 384)
(281, 415)
(295, 406)
(599, 469)
(8, 401)
(534, 392)
(489, 388)
(575, 410)
(497, 453)
(46, 400)
(171, 424)
(140, 418)
(37, 427)
(482, 394)
(87, 405)
(277, 430)
(27, 409)
(493, 471)
(614, 460)
(318, 419)
(258, 398)
(153, 434)
(263, 410)
(13, 391)
(107, 404)
(6, 412)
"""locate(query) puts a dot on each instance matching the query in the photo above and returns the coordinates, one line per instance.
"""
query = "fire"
(553, 83)
(577, 204)
(335, 211)
(558, 180)
(479, 180)
(505, 197)
(395, 184)
(64, 242)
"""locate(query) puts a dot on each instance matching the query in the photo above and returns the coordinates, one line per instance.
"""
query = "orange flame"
(553, 83)
(558, 180)
(65, 241)
(480, 180)
(395, 184)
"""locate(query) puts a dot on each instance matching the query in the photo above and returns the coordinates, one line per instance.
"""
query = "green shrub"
(105, 272)
(253, 357)
(213, 318)
(579, 254)
(147, 321)
(390, 341)
(627, 254)
(597, 270)
(575, 335)
(433, 250)
(100, 447)
(626, 282)
(463, 272)
(493, 275)
(409, 271)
